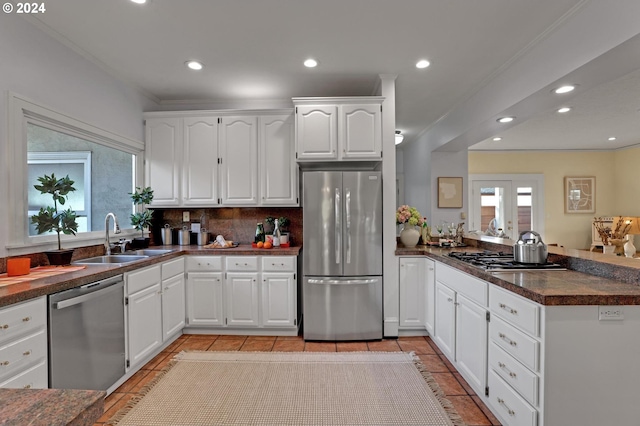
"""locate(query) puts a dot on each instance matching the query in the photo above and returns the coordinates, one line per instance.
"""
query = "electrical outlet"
(185, 217)
(610, 313)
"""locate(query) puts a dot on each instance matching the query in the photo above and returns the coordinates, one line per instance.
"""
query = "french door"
(506, 204)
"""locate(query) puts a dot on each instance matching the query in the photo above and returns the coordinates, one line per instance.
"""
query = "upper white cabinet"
(212, 158)
(334, 129)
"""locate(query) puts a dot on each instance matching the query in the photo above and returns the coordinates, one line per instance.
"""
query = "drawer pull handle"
(4, 363)
(449, 299)
(509, 410)
(25, 319)
(506, 339)
(26, 387)
(27, 353)
(504, 367)
(4, 327)
(508, 309)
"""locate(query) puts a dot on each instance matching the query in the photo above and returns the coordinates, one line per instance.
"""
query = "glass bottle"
(276, 234)
(259, 238)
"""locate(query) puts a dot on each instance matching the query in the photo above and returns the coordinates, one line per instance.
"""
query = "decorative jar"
(409, 236)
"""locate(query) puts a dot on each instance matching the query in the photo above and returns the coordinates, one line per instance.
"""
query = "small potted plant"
(50, 219)
(141, 219)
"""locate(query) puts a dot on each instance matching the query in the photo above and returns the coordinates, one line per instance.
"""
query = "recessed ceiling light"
(422, 63)
(497, 138)
(139, 1)
(194, 65)
(399, 137)
(564, 89)
(564, 109)
(310, 63)
(612, 138)
(505, 119)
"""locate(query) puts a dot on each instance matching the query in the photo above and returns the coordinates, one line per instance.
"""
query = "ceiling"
(253, 53)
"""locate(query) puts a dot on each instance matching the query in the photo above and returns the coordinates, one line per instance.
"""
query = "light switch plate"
(610, 313)
(185, 217)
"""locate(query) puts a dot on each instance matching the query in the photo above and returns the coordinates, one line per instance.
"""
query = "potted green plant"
(49, 219)
(141, 219)
(283, 222)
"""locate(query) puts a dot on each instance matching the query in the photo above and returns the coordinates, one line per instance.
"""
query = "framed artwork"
(579, 194)
(450, 192)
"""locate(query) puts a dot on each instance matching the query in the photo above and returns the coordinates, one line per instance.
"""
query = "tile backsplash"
(233, 223)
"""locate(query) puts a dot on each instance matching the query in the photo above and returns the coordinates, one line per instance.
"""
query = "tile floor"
(468, 404)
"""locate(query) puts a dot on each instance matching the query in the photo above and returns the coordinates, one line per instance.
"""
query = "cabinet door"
(360, 131)
(163, 157)
(445, 326)
(173, 306)
(430, 297)
(144, 312)
(412, 292)
(278, 167)
(278, 299)
(200, 162)
(239, 160)
(471, 342)
(242, 299)
(316, 132)
(205, 303)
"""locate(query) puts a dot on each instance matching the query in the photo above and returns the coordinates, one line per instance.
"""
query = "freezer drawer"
(342, 308)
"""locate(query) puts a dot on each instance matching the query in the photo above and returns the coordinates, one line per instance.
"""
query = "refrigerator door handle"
(341, 282)
(347, 203)
(338, 225)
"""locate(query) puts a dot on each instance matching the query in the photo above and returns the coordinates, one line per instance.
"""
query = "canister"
(167, 235)
(203, 237)
(184, 236)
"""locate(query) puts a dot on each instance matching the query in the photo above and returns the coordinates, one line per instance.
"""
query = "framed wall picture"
(450, 192)
(580, 194)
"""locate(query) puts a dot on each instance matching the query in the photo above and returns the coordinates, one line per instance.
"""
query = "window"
(105, 167)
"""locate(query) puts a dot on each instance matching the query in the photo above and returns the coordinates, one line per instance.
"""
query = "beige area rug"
(300, 388)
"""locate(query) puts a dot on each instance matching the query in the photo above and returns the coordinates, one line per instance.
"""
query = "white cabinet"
(445, 331)
(278, 291)
(329, 129)
(205, 301)
(173, 298)
(471, 341)
(413, 271)
(200, 179)
(278, 167)
(211, 158)
(430, 297)
(23, 345)
(163, 157)
(242, 299)
(239, 158)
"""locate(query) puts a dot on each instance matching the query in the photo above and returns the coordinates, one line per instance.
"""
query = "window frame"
(22, 111)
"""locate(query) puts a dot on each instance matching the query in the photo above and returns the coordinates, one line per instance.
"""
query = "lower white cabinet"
(173, 298)
(242, 293)
(23, 345)
(417, 293)
(445, 331)
(471, 341)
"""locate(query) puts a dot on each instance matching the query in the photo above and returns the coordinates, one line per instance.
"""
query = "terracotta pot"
(409, 236)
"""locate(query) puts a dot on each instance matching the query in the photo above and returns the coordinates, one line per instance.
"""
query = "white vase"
(409, 236)
(629, 248)
(608, 249)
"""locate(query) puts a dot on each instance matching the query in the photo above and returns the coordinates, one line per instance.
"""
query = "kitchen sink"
(147, 252)
(114, 259)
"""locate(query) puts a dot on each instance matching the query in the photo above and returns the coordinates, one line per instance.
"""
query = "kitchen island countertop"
(590, 278)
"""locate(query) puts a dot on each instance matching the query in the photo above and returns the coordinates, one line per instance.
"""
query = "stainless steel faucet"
(116, 230)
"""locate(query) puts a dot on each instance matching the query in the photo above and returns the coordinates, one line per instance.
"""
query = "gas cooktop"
(499, 261)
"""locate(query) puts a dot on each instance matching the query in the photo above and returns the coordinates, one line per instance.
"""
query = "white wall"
(40, 68)
(416, 163)
(448, 164)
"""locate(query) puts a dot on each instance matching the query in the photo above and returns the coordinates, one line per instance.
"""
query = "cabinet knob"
(25, 319)
(26, 387)
(4, 363)
(27, 353)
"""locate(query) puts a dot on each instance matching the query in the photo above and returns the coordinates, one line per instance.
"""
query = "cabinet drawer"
(522, 347)
(278, 263)
(20, 353)
(172, 268)
(242, 263)
(204, 263)
(512, 409)
(471, 287)
(515, 374)
(22, 318)
(35, 377)
(518, 311)
(139, 280)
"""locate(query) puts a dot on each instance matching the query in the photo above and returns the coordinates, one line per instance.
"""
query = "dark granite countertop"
(15, 293)
(50, 407)
(590, 278)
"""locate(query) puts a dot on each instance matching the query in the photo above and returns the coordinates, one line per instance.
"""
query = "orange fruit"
(260, 244)
(267, 245)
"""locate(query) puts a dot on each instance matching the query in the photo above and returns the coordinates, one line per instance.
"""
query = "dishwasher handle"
(91, 291)
(342, 282)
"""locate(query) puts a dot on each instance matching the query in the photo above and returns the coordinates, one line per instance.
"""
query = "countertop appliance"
(86, 336)
(500, 262)
(530, 248)
(342, 256)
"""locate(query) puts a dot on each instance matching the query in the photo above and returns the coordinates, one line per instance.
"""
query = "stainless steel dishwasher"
(86, 336)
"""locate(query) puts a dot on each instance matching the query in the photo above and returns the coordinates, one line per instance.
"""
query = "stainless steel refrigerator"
(342, 255)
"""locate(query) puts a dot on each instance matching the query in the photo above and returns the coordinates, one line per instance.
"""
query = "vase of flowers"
(411, 220)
